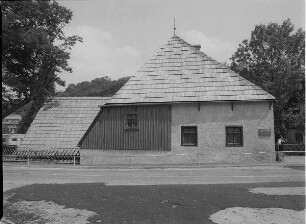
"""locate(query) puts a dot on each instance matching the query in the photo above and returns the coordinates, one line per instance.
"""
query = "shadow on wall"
(220, 112)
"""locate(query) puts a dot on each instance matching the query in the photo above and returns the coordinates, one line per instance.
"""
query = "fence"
(68, 156)
(8, 149)
(13, 154)
(291, 148)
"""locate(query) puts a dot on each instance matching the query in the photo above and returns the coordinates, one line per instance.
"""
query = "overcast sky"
(119, 36)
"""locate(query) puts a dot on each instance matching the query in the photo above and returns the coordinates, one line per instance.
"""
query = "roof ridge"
(177, 63)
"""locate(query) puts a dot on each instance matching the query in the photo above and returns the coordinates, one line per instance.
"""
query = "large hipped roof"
(180, 72)
(61, 122)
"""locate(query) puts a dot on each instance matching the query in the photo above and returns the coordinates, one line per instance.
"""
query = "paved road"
(19, 176)
(174, 195)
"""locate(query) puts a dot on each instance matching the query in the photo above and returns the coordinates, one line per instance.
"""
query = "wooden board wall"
(110, 129)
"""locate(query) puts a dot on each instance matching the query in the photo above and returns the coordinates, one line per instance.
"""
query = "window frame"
(226, 136)
(196, 135)
(127, 119)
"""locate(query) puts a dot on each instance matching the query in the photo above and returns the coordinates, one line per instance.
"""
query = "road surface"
(16, 176)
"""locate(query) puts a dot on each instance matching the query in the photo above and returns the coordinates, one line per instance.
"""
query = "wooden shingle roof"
(180, 72)
(62, 122)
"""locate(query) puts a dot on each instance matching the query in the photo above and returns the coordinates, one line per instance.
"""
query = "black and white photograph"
(153, 112)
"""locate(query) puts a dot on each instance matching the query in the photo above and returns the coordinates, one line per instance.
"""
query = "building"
(10, 123)
(9, 130)
(182, 106)
(12, 139)
(61, 122)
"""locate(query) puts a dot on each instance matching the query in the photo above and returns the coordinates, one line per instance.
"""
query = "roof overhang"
(178, 102)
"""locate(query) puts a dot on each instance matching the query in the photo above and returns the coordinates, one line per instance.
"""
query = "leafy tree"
(296, 121)
(274, 59)
(103, 86)
(34, 52)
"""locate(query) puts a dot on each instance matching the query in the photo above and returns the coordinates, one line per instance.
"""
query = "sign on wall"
(264, 132)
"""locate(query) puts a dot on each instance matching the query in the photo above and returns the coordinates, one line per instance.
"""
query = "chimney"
(197, 46)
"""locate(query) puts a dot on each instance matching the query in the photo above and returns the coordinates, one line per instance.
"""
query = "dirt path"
(240, 215)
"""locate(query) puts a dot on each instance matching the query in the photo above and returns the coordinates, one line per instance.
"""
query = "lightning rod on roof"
(174, 25)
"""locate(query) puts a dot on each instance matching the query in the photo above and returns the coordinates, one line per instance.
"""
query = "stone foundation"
(99, 157)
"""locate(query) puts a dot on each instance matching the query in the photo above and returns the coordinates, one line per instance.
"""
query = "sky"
(119, 36)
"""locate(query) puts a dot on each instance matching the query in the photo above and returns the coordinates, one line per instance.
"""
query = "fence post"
(28, 160)
(73, 160)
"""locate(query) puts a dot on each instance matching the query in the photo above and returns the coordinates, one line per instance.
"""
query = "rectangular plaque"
(264, 132)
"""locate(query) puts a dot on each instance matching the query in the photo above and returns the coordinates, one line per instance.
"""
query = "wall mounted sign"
(264, 132)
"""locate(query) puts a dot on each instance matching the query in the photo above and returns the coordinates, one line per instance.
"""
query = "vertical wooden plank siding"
(110, 131)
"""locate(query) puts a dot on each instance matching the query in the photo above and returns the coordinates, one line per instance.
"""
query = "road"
(16, 176)
(209, 195)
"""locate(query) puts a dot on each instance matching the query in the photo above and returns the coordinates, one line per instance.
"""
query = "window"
(131, 121)
(14, 139)
(234, 136)
(189, 136)
(3, 140)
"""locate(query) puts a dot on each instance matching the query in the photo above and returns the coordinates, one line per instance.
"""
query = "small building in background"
(9, 130)
(10, 123)
(12, 139)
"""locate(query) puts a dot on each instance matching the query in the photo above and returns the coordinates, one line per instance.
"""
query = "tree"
(103, 86)
(34, 52)
(274, 59)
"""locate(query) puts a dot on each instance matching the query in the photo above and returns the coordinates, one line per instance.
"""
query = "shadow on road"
(139, 204)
